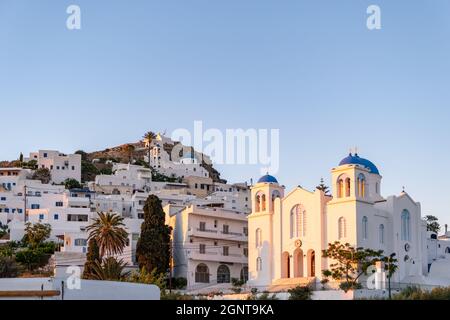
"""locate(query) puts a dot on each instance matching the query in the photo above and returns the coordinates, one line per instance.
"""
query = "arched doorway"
(202, 273)
(223, 274)
(298, 263)
(286, 265)
(311, 263)
(244, 274)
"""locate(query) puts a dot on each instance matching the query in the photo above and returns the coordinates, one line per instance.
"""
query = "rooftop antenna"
(403, 189)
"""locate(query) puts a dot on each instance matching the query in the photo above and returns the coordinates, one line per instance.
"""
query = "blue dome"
(267, 179)
(355, 159)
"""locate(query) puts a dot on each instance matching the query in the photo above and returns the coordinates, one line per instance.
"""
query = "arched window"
(275, 195)
(340, 188)
(258, 238)
(292, 223)
(365, 228)
(258, 264)
(298, 221)
(342, 228)
(263, 202)
(202, 273)
(361, 185)
(244, 274)
(223, 274)
(381, 233)
(406, 226)
(301, 222)
(258, 203)
(348, 185)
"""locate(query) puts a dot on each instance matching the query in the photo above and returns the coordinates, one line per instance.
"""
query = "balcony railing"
(206, 230)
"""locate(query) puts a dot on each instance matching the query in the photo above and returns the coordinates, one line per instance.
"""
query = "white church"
(287, 232)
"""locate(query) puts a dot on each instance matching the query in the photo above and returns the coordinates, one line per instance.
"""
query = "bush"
(347, 286)
(415, 293)
(165, 295)
(32, 258)
(301, 293)
(8, 268)
(48, 247)
(178, 283)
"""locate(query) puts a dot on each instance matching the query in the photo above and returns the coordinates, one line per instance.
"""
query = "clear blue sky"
(310, 68)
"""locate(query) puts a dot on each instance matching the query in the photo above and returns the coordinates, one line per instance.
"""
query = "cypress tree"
(153, 247)
(92, 257)
(323, 187)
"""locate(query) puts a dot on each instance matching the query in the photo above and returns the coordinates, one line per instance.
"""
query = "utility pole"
(170, 266)
(25, 203)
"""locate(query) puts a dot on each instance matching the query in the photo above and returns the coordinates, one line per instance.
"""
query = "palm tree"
(109, 233)
(149, 137)
(110, 270)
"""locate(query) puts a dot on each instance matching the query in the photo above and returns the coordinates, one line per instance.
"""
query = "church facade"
(288, 231)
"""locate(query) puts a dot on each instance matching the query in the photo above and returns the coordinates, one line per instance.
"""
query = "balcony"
(218, 235)
(216, 256)
(79, 202)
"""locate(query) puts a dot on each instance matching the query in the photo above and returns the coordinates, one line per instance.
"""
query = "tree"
(433, 224)
(8, 267)
(145, 277)
(36, 234)
(390, 267)
(72, 184)
(92, 257)
(30, 258)
(109, 233)
(301, 293)
(323, 187)
(84, 155)
(110, 269)
(21, 158)
(153, 247)
(129, 149)
(42, 174)
(149, 137)
(349, 263)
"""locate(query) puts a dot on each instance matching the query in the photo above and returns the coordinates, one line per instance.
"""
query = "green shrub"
(301, 293)
(165, 295)
(347, 286)
(415, 293)
(32, 258)
(8, 268)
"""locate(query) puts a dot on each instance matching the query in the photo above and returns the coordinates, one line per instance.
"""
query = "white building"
(287, 232)
(61, 166)
(209, 244)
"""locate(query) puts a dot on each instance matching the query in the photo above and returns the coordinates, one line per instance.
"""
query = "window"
(223, 274)
(59, 204)
(226, 229)
(244, 274)
(258, 264)
(348, 185)
(3, 198)
(381, 231)
(226, 251)
(258, 203)
(340, 188)
(55, 217)
(365, 227)
(202, 248)
(35, 206)
(202, 274)
(263, 202)
(298, 221)
(405, 225)
(246, 231)
(80, 242)
(361, 185)
(41, 216)
(73, 168)
(258, 238)
(216, 223)
(342, 228)
(202, 226)
(245, 252)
